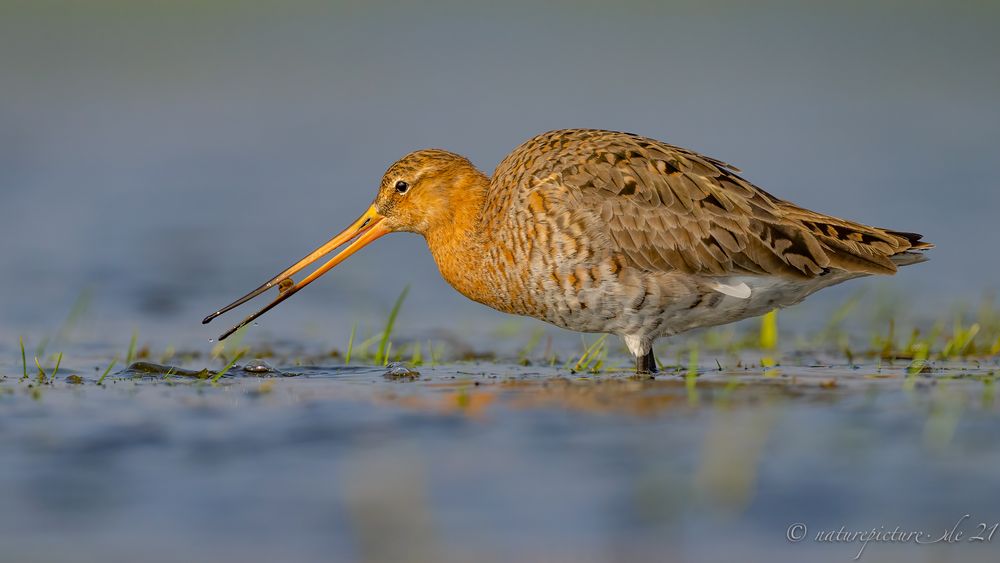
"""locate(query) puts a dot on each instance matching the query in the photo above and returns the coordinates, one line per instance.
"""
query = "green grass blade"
(227, 368)
(533, 341)
(41, 372)
(131, 348)
(588, 354)
(24, 360)
(56, 369)
(436, 354)
(769, 330)
(692, 370)
(362, 349)
(350, 344)
(107, 371)
(381, 357)
(417, 358)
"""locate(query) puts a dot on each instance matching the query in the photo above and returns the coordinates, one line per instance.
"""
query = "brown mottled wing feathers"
(667, 208)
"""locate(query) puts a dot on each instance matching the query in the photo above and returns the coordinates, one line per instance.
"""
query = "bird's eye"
(402, 186)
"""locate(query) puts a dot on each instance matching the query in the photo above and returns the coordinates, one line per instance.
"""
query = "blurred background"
(160, 158)
(164, 157)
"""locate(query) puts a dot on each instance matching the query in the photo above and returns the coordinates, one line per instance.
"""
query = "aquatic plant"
(769, 340)
(55, 370)
(523, 357)
(769, 330)
(436, 352)
(385, 359)
(229, 366)
(961, 341)
(41, 372)
(130, 356)
(100, 380)
(350, 344)
(24, 361)
(416, 358)
(381, 356)
(593, 356)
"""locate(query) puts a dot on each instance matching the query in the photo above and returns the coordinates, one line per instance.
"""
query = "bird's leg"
(645, 364)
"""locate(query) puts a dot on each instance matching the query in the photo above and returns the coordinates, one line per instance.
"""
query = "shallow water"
(493, 462)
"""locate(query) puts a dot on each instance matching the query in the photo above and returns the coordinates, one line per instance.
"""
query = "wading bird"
(609, 232)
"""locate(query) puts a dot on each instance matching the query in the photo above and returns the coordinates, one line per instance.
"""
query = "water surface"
(493, 462)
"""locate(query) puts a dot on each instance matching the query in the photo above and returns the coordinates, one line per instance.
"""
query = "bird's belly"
(712, 308)
(656, 304)
(599, 295)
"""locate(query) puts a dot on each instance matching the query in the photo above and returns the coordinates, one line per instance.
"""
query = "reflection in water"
(731, 453)
(386, 495)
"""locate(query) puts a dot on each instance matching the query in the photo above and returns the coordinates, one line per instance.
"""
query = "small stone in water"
(399, 371)
(258, 366)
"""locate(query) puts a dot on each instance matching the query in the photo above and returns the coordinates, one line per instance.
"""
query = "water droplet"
(211, 340)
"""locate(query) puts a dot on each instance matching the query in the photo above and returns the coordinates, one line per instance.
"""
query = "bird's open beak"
(367, 228)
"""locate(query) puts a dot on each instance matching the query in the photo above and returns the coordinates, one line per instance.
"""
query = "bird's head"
(423, 190)
(422, 193)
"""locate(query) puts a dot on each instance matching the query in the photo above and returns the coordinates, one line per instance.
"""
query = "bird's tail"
(914, 254)
(853, 247)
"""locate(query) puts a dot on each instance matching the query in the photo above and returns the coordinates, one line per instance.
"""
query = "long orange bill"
(367, 228)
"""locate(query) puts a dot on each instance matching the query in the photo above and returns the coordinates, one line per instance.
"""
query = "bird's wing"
(671, 209)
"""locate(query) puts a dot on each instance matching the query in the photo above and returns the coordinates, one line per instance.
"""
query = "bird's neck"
(458, 242)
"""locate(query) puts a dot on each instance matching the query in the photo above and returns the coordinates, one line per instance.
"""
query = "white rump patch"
(739, 291)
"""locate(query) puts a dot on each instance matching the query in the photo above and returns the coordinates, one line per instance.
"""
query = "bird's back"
(665, 208)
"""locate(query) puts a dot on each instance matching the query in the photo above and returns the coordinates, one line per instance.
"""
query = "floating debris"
(255, 367)
(149, 368)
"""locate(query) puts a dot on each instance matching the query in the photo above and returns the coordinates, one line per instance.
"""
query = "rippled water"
(493, 462)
